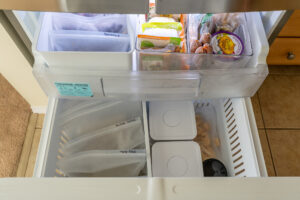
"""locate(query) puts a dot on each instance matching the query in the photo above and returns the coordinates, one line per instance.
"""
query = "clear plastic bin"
(83, 48)
(237, 76)
(254, 49)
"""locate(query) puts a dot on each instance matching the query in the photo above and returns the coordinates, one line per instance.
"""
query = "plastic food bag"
(114, 23)
(207, 133)
(88, 41)
(158, 32)
(165, 44)
(227, 21)
(122, 136)
(103, 163)
(99, 116)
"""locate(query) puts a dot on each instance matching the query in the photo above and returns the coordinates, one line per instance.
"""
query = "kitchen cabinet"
(285, 48)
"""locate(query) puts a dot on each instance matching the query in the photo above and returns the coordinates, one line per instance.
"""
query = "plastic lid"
(172, 120)
(176, 159)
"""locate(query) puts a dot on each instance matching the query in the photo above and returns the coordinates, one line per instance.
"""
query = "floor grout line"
(265, 131)
(260, 109)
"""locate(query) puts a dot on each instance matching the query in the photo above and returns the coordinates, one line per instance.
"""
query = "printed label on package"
(74, 89)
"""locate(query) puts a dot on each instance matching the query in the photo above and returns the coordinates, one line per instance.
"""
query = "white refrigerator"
(90, 91)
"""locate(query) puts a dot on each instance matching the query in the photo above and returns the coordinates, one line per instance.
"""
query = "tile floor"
(277, 111)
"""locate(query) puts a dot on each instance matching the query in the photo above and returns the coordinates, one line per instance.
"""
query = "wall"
(17, 70)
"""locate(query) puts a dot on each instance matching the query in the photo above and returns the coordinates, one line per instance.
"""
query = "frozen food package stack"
(119, 141)
(172, 127)
(121, 136)
(223, 34)
(89, 32)
(162, 33)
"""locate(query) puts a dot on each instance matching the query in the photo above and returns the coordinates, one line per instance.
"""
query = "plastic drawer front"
(155, 85)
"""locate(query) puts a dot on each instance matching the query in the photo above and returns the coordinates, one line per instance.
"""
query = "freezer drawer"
(240, 152)
(123, 74)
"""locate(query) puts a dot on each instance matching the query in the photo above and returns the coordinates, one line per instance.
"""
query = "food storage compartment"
(223, 134)
(86, 41)
(97, 139)
(250, 47)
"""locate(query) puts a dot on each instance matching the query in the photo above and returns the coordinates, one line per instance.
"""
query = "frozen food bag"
(98, 117)
(89, 41)
(121, 136)
(114, 23)
(99, 163)
(155, 42)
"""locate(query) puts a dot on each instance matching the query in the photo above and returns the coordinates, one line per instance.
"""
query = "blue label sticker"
(74, 89)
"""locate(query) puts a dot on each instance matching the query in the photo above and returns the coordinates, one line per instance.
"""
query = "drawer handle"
(290, 56)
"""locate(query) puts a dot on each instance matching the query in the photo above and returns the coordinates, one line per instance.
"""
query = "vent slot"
(234, 139)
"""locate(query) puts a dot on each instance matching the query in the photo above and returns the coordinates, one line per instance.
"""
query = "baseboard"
(39, 109)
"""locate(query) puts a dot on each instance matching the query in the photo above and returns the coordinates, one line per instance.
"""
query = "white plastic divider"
(147, 140)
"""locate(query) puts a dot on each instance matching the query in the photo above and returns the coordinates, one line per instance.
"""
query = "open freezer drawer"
(121, 74)
(241, 150)
(147, 187)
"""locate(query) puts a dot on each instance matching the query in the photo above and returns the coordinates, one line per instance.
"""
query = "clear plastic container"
(84, 48)
(176, 159)
(152, 80)
(103, 163)
(122, 136)
(172, 120)
(157, 61)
